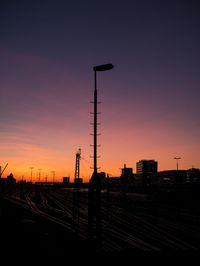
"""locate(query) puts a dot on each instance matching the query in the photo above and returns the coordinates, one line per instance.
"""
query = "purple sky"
(150, 100)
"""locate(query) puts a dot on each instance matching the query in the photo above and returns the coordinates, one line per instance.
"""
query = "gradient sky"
(150, 101)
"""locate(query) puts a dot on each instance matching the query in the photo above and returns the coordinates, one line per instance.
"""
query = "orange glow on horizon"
(44, 129)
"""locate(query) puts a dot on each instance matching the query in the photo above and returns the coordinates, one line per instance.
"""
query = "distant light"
(103, 67)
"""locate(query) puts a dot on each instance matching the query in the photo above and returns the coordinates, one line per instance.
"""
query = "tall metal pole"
(95, 122)
(94, 196)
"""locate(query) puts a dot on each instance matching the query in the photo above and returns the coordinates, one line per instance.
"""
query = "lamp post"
(94, 196)
(177, 158)
(53, 172)
(97, 68)
(31, 172)
(39, 174)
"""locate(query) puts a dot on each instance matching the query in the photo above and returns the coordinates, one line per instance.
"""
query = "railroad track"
(143, 229)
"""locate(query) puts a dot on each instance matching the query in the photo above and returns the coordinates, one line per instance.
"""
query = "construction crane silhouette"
(77, 166)
(1, 172)
(76, 192)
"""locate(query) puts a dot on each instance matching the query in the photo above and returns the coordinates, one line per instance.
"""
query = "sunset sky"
(149, 102)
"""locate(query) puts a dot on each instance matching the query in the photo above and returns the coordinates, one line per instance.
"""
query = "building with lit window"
(147, 173)
(172, 177)
(193, 176)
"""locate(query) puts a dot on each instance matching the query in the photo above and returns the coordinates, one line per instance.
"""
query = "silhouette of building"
(78, 181)
(193, 175)
(10, 180)
(102, 176)
(127, 176)
(172, 177)
(22, 182)
(114, 181)
(66, 180)
(147, 173)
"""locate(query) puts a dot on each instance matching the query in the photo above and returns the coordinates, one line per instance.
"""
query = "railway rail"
(147, 227)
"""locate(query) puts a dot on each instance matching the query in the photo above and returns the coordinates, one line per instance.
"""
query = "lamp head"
(103, 67)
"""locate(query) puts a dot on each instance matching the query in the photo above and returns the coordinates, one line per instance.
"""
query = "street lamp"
(31, 172)
(39, 174)
(103, 67)
(53, 172)
(97, 68)
(94, 196)
(177, 158)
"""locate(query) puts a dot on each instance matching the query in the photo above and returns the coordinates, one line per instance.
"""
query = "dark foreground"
(36, 223)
